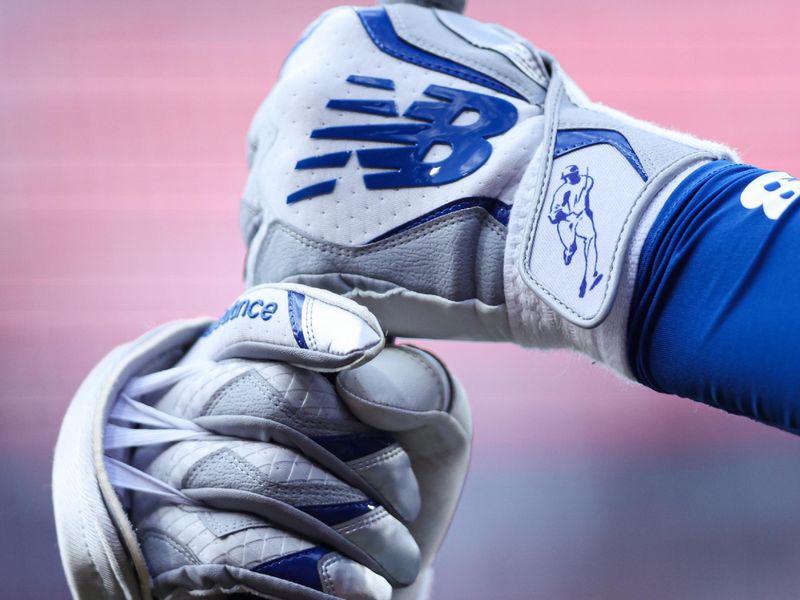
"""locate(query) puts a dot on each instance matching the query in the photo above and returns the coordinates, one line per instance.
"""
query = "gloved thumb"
(293, 323)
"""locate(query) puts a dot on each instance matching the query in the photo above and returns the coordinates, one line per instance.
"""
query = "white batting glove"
(451, 177)
(209, 459)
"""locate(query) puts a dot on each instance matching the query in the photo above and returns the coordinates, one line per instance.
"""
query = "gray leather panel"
(225, 470)
(163, 552)
(413, 260)
(218, 581)
(389, 471)
(378, 531)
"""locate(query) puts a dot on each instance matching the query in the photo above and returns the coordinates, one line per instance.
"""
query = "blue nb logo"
(571, 214)
(434, 123)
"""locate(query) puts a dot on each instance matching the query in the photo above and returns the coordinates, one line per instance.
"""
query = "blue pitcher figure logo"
(574, 221)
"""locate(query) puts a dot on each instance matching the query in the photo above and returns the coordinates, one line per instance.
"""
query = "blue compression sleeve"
(714, 315)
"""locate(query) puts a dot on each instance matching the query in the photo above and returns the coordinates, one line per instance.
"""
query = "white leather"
(529, 292)
(214, 457)
(316, 72)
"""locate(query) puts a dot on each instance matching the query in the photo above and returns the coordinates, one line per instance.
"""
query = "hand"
(406, 158)
(239, 469)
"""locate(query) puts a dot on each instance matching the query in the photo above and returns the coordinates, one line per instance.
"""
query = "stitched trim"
(289, 492)
(307, 318)
(381, 456)
(644, 157)
(410, 37)
(328, 584)
(375, 516)
(477, 78)
(228, 457)
(478, 215)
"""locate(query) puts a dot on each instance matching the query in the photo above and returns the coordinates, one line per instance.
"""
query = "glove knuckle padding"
(300, 408)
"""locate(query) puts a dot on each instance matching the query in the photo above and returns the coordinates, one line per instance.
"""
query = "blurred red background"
(122, 132)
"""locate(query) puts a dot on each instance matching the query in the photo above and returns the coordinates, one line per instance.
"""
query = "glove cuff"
(535, 323)
(99, 549)
(597, 172)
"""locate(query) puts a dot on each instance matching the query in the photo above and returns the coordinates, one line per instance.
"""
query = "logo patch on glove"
(571, 214)
(457, 121)
(594, 181)
(247, 307)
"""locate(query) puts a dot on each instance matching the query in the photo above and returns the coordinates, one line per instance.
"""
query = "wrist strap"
(600, 169)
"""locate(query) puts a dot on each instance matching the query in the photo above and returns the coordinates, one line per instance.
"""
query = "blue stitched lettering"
(253, 305)
(252, 309)
(268, 311)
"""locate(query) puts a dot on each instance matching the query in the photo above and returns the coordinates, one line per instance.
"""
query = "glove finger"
(288, 489)
(408, 391)
(402, 389)
(300, 408)
(291, 323)
(192, 550)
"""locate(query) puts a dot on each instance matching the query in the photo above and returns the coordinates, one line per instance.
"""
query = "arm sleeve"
(715, 310)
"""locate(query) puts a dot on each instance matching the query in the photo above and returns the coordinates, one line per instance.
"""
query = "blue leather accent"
(311, 191)
(373, 82)
(497, 209)
(405, 165)
(334, 514)
(355, 445)
(296, 301)
(569, 140)
(300, 567)
(383, 108)
(398, 133)
(379, 27)
(324, 161)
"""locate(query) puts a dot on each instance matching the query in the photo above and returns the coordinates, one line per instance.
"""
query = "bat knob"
(453, 5)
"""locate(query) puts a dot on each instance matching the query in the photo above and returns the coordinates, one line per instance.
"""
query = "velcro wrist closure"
(601, 170)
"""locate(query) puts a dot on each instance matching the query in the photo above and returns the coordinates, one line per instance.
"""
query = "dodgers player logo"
(571, 214)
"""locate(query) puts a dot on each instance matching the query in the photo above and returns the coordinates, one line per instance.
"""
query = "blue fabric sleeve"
(714, 315)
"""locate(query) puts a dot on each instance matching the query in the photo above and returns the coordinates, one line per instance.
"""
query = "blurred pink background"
(122, 131)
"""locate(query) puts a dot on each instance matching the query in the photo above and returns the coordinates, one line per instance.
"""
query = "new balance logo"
(773, 192)
(252, 309)
(460, 120)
